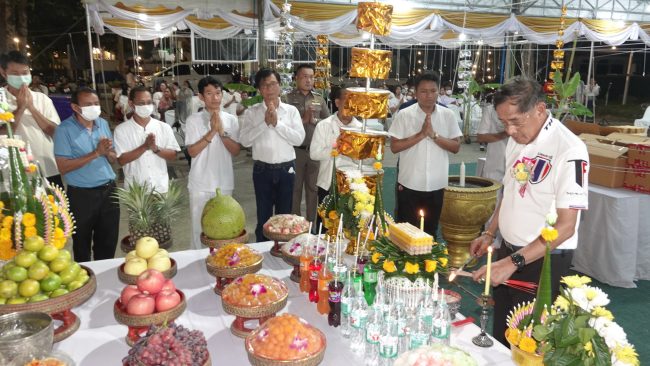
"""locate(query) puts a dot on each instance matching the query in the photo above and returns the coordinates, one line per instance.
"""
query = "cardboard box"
(580, 128)
(607, 163)
(637, 176)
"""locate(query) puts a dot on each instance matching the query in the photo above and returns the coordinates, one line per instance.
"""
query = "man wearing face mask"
(144, 144)
(84, 152)
(36, 118)
(446, 98)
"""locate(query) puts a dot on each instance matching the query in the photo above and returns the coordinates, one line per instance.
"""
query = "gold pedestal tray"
(523, 358)
(225, 275)
(131, 279)
(464, 212)
(60, 308)
(311, 360)
(215, 244)
(139, 324)
(293, 261)
(278, 238)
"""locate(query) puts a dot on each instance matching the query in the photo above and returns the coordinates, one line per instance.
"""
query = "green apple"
(17, 274)
(130, 255)
(34, 243)
(29, 288)
(38, 297)
(59, 264)
(48, 253)
(59, 292)
(16, 301)
(83, 277)
(25, 258)
(159, 262)
(7, 266)
(83, 272)
(8, 289)
(135, 266)
(65, 253)
(74, 285)
(69, 274)
(163, 252)
(146, 247)
(51, 282)
(38, 270)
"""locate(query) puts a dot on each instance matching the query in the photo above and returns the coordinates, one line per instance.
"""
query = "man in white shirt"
(423, 134)
(144, 145)
(272, 129)
(230, 101)
(212, 139)
(36, 118)
(557, 167)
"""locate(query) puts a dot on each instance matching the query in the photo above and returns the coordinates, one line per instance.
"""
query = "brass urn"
(464, 212)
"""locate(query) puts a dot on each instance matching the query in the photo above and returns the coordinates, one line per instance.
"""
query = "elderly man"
(36, 118)
(312, 108)
(84, 153)
(272, 129)
(144, 144)
(557, 166)
(423, 134)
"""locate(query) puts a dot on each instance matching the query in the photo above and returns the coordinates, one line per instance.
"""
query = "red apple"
(169, 286)
(141, 304)
(151, 281)
(127, 293)
(166, 300)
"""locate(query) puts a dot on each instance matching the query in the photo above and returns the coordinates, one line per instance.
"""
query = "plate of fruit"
(253, 297)
(170, 344)
(146, 255)
(285, 227)
(231, 261)
(43, 278)
(153, 300)
(285, 340)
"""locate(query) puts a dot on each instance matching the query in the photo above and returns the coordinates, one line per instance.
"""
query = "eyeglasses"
(269, 85)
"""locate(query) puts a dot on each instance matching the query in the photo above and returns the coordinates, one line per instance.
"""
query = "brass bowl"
(523, 358)
(128, 279)
(123, 317)
(311, 360)
(261, 311)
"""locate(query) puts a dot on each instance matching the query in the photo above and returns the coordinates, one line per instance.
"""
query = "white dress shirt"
(212, 167)
(495, 161)
(424, 166)
(272, 144)
(149, 167)
(325, 135)
(227, 97)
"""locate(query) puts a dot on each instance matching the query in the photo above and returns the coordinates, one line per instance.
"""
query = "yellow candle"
(489, 269)
(422, 220)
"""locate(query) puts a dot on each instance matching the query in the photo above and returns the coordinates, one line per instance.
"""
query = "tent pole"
(591, 63)
(627, 77)
(90, 47)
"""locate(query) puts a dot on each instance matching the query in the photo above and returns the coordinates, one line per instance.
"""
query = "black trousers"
(273, 192)
(56, 179)
(410, 202)
(97, 216)
(505, 298)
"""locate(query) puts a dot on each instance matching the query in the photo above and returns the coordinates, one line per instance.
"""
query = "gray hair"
(523, 92)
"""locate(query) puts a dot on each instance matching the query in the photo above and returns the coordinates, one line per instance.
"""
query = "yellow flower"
(627, 355)
(389, 266)
(29, 219)
(575, 281)
(377, 165)
(5, 234)
(513, 335)
(589, 348)
(334, 153)
(6, 116)
(549, 234)
(412, 268)
(31, 168)
(50, 198)
(430, 265)
(375, 257)
(562, 303)
(56, 222)
(58, 233)
(58, 243)
(332, 215)
(600, 311)
(7, 221)
(55, 209)
(527, 344)
(30, 231)
(2, 205)
(521, 176)
(520, 166)
(443, 261)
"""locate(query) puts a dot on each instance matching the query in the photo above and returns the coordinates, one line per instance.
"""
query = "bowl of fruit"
(56, 358)
(232, 261)
(146, 255)
(282, 228)
(43, 278)
(153, 300)
(170, 344)
(253, 296)
(285, 340)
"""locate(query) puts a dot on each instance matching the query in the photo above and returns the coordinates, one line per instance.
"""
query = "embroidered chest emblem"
(540, 170)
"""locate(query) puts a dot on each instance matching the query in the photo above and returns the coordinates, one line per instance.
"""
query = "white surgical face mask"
(448, 92)
(91, 112)
(16, 81)
(144, 111)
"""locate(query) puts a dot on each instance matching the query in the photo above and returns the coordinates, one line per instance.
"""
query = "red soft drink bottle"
(334, 317)
(314, 269)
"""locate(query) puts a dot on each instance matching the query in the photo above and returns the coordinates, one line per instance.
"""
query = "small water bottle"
(420, 329)
(373, 333)
(441, 327)
(398, 311)
(358, 321)
(346, 301)
(388, 342)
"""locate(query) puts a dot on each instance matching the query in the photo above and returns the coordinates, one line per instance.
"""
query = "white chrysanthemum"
(599, 323)
(588, 297)
(359, 187)
(353, 174)
(613, 334)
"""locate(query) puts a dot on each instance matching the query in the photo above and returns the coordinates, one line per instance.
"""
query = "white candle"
(462, 174)
(421, 220)
(487, 273)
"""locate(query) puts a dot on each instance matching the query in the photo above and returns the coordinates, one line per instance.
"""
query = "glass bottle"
(373, 333)
(420, 329)
(335, 289)
(388, 342)
(346, 300)
(314, 269)
(369, 283)
(305, 260)
(441, 327)
(358, 320)
(324, 279)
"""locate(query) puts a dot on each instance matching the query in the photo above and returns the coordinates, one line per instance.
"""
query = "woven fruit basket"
(311, 360)
(214, 244)
(278, 238)
(60, 308)
(131, 279)
(139, 324)
(226, 274)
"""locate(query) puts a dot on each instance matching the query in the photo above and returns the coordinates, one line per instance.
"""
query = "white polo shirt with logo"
(560, 168)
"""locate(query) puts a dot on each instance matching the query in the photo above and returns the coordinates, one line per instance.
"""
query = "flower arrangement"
(396, 262)
(28, 206)
(521, 172)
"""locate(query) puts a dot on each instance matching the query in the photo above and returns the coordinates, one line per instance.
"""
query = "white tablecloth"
(100, 339)
(614, 237)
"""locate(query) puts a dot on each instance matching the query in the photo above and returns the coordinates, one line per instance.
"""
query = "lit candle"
(462, 174)
(422, 220)
(489, 269)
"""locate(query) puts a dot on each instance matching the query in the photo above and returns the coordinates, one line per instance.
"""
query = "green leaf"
(569, 333)
(601, 352)
(541, 332)
(561, 357)
(239, 87)
(572, 86)
(543, 299)
(578, 109)
(252, 101)
(586, 334)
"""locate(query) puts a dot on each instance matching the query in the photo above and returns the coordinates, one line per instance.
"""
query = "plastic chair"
(645, 120)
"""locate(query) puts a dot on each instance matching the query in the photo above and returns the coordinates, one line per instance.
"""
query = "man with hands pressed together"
(423, 134)
(84, 150)
(556, 178)
(144, 144)
(212, 139)
(272, 128)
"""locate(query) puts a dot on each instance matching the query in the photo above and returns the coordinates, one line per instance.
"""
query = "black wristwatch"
(518, 260)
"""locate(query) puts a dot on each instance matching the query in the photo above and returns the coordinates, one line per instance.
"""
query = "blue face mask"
(16, 81)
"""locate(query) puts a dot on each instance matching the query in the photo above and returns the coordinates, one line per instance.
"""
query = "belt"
(107, 185)
(275, 166)
(514, 248)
